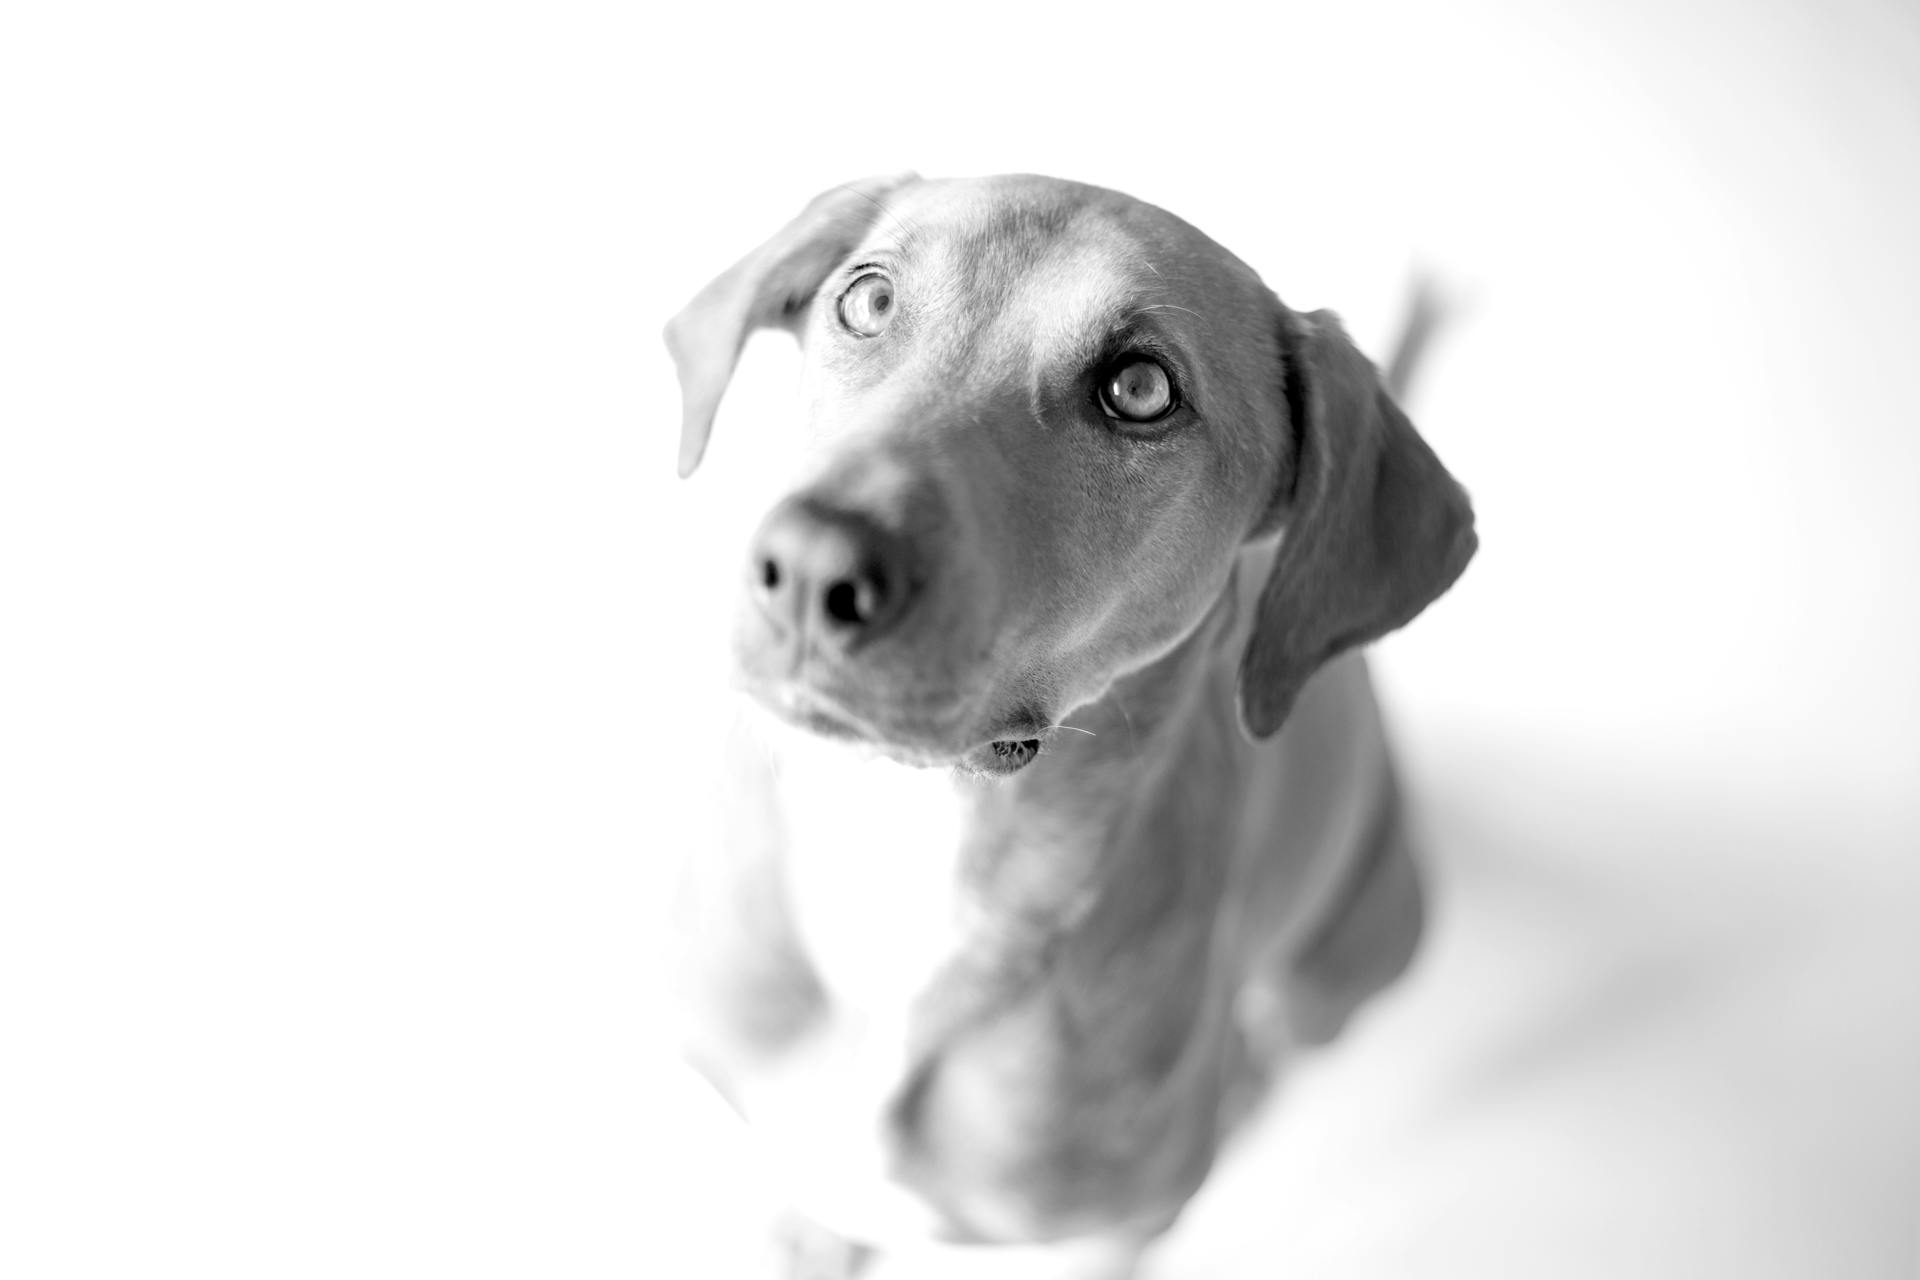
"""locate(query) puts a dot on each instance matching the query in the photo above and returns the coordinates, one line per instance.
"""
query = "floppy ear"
(770, 286)
(1377, 528)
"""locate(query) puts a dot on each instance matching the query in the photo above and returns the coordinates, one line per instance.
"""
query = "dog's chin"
(1008, 746)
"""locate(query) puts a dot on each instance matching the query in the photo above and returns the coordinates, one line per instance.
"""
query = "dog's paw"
(802, 1249)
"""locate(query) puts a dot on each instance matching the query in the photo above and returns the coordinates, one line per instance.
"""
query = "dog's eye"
(867, 305)
(1137, 390)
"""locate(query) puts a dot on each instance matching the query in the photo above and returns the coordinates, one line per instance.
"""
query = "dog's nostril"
(843, 604)
(826, 576)
(855, 602)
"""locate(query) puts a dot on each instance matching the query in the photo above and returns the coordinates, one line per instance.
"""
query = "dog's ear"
(1375, 531)
(770, 286)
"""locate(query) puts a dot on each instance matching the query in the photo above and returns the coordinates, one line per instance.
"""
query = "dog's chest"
(870, 859)
(871, 852)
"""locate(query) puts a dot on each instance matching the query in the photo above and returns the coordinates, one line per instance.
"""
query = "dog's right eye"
(868, 305)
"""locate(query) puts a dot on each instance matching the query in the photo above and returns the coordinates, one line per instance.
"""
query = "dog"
(1062, 813)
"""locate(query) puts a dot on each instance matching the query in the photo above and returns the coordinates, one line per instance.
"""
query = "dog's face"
(1061, 417)
(1042, 419)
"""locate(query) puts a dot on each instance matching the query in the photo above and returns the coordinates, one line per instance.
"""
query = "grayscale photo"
(858, 642)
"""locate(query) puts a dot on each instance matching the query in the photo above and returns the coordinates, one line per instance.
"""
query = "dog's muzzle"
(835, 642)
(830, 579)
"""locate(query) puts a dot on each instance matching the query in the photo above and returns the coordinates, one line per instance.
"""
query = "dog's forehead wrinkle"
(1002, 233)
(1073, 307)
(1170, 306)
(1011, 277)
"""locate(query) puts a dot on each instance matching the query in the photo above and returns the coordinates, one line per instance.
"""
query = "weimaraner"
(1057, 817)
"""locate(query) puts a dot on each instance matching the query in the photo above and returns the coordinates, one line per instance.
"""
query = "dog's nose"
(830, 573)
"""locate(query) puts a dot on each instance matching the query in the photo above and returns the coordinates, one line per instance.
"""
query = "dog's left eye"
(1137, 390)
(867, 305)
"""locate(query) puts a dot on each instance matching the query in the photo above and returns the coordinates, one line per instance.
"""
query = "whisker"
(907, 230)
(1133, 738)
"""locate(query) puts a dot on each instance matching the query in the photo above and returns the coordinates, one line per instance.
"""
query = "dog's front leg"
(1093, 1258)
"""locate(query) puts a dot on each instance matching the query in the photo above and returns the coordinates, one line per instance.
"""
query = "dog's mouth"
(1013, 744)
(1010, 755)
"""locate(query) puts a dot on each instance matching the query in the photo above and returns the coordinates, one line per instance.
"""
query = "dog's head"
(1047, 417)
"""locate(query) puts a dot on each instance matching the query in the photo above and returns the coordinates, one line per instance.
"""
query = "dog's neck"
(925, 890)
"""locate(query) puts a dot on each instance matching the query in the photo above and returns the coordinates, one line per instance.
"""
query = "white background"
(356, 641)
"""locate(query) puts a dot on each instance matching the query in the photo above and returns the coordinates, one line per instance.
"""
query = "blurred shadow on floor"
(1660, 1029)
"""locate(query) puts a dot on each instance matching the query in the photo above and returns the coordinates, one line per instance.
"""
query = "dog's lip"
(1005, 748)
(833, 714)
(1004, 756)
(818, 714)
